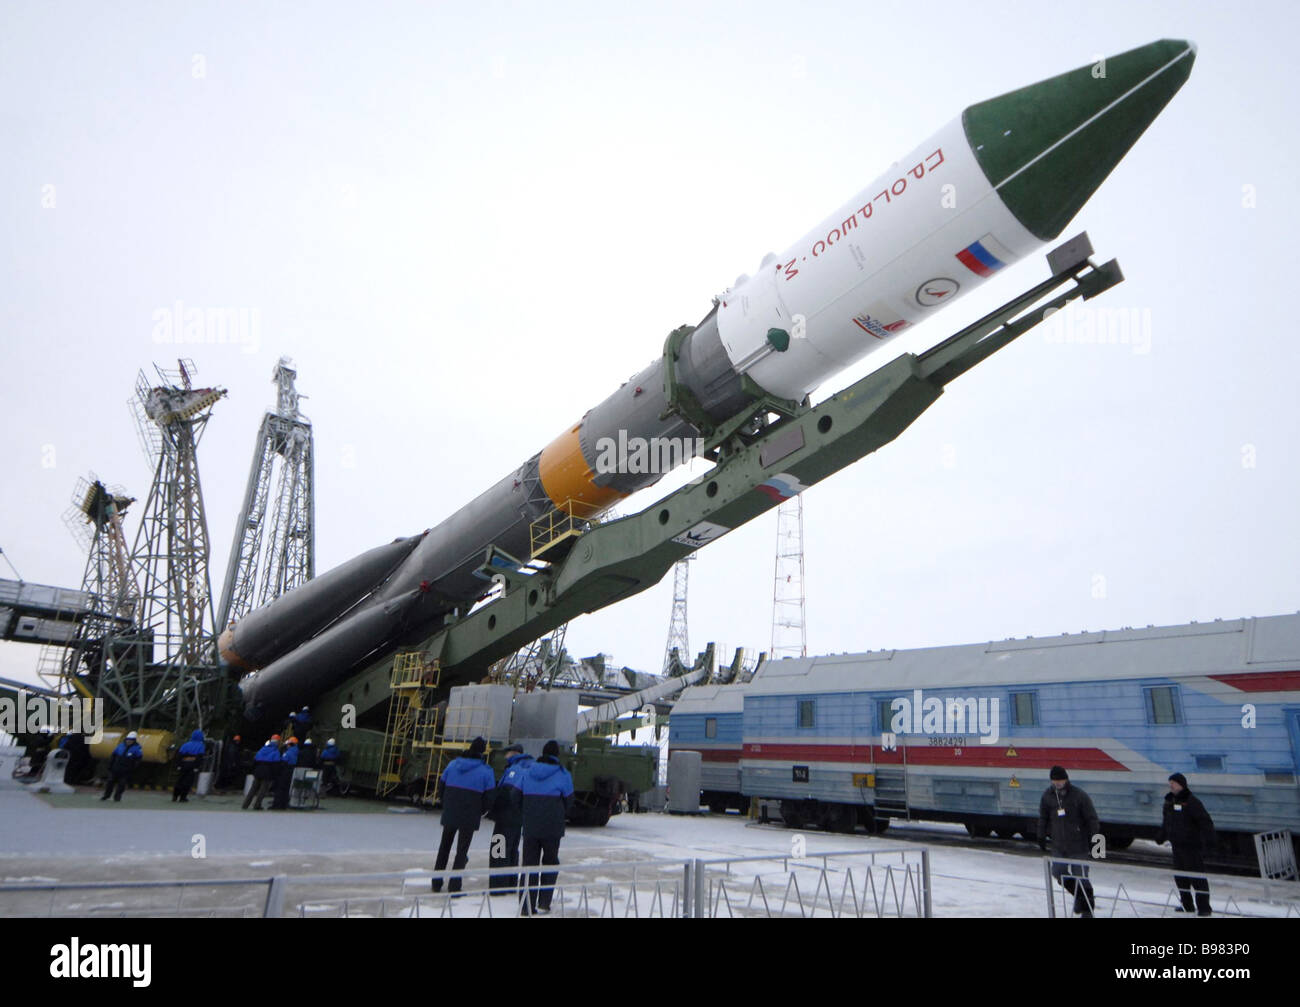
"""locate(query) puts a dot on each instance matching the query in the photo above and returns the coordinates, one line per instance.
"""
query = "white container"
(684, 783)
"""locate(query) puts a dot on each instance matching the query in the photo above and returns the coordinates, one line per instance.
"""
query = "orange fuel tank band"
(567, 476)
(226, 645)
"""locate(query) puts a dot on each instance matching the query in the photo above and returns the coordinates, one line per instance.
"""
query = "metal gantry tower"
(155, 676)
(286, 557)
(678, 631)
(111, 599)
(789, 631)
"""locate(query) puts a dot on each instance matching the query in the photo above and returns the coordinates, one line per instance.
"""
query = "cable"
(12, 567)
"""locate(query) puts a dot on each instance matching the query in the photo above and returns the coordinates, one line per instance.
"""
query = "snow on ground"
(145, 837)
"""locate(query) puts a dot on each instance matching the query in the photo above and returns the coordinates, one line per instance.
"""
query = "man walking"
(1066, 814)
(1190, 830)
(126, 756)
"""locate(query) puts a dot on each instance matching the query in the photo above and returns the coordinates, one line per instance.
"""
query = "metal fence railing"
(857, 884)
(1130, 891)
(851, 884)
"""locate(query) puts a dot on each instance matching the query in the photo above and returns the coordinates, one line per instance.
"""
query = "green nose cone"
(1047, 147)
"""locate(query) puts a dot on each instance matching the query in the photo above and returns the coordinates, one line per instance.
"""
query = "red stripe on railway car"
(927, 755)
(714, 754)
(1262, 681)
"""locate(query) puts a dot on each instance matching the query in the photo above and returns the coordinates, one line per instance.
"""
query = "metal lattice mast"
(286, 557)
(789, 632)
(156, 675)
(95, 521)
(678, 633)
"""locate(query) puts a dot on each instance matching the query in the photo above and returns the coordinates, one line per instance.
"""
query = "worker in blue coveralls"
(468, 787)
(548, 794)
(188, 761)
(284, 775)
(126, 756)
(265, 763)
(507, 815)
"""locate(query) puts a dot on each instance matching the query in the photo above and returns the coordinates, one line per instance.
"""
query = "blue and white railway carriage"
(707, 719)
(978, 727)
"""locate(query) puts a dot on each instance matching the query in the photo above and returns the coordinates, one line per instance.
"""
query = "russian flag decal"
(782, 486)
(984, 257)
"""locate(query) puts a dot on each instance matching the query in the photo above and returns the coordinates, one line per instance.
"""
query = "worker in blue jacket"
(330, 757)
(284, 775)
(264, 765)
(188, 761)
(468, 786)
(548, 795)
(300, 722)
(508, 815)
(126, 756)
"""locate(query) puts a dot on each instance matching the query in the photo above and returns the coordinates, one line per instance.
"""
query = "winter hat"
(552, 748)
(476, 748)
(1179, 779)
(1059, 773)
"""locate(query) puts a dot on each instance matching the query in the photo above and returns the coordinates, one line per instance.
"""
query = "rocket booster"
(989, 188)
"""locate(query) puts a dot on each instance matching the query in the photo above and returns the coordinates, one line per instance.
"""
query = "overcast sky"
(469, 223)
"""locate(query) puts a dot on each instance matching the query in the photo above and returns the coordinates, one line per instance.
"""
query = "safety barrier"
(1129, 891)
(850, 884)
(1275, 853)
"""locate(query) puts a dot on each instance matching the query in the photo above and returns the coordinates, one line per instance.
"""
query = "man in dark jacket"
(265, 763)
(468, 787)
(126, 756)
(1190, 830)
(1066, 814)
(508, 815)
(230, 765)
(548, 793)
(79, 759)
(188, 760)
(307, 755)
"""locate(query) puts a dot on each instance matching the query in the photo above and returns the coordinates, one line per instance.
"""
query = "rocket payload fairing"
(988, 189)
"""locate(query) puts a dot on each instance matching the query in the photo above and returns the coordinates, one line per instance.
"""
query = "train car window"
(1209, 763)
(1023, 712)
(807, 713)
(885, 714)
(1162, 705)
(710, 727)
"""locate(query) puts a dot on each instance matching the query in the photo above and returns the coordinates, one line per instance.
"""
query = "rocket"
(989, 188)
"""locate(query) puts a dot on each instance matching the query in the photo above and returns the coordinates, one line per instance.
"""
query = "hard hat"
(330, 742)
(293, 741)
(130, 736)
(236, 738)
(275, 737)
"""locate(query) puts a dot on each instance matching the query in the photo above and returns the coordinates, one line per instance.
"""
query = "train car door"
(1292, 715)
